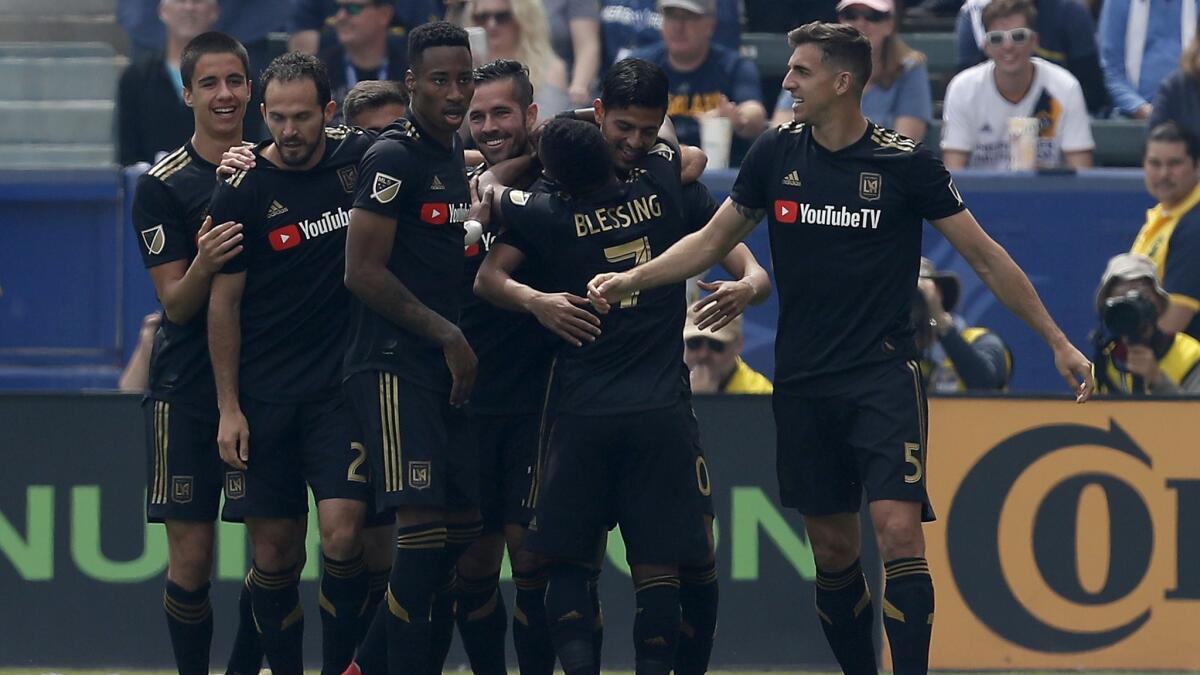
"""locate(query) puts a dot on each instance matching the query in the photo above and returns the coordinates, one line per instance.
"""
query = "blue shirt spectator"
(1140, 44)
(309, 18)
(1066, 37)
(626, 25)
(249, 22)
(1178, 99)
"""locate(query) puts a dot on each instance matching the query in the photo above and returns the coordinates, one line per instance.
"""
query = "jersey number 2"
(638, 251)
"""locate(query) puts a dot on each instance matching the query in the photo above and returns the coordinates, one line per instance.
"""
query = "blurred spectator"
(897, 95)
(629, 24)
(151, 114)
(365, 50)
(715, 360)
(1178, 99)
(1171, 235)
(374, 104)
(935, 8)
(705, 78)
(518, 30)
(136, 376)
(956, 357)
(311, 18)
(575, 36)
(1066, 37)
(772, 16)
(1132, 354)
(1013, 83)
(1140, 44)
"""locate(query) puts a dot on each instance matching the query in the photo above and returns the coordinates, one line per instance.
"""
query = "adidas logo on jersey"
(276, 210)
(792, 179)
(437, 184)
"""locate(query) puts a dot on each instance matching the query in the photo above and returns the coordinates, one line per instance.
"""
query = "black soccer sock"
(247, 655)
(571, 619)
(372, 654)
(190, 623)
(482, 623)
(698, 599)
(441, 621)
(342, 596)
(531, 633)
(656, 627)
(377, 581)
(908, 614)
(844, 606)
(416, 572)
(598, 610)
(279, 615)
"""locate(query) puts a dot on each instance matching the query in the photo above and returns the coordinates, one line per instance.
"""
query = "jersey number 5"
(638, 251)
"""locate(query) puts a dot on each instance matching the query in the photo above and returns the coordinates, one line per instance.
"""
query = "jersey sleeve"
(931, 187)
(523, 216)
(1181, 274)
(158, 224)
(385, 175)
(231, 202)
(957, 123)
(698, 206)
(749, 188)
(1077, 126)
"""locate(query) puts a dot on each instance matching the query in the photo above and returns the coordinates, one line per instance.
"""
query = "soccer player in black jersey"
(182, 250)
(845, 200)
(277, 330)
(409, 369)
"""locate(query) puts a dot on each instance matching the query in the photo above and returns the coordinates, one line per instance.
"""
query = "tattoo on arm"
(752, 215)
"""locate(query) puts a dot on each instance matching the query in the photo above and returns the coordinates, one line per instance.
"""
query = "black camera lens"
(1129, 316)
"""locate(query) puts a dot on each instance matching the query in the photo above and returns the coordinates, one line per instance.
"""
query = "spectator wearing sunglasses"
(312, 21)
(1066, 37)
(897, 96)
(715, 361)
(1014, 83)
(1140, 44)
(518, 30)
(365, 49)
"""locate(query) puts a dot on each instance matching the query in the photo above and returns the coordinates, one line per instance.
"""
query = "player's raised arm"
(1008, 282)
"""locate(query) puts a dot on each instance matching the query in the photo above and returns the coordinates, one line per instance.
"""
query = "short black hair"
(635, 82)
(841, 45)
(508, 69)
(212, 42)
(372, 94)
(435, 34)
(1171, 132)
(294, 66)
(575, 154)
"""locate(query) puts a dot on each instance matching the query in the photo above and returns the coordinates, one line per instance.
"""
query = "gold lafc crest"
(155, 239)
(385, 188)
(870, 186)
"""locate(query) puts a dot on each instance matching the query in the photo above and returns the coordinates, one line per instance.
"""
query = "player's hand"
(607, 288)
(726, 300)
(233, 439)
(237, 158)
(1078, 372)
(216, 245)
(481, 202)
(704, 379)
(564, 314)
(460, 358)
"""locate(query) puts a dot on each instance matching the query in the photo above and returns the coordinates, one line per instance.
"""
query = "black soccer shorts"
(184, 471)
(640, 467)
(866, 429)
(703, 481)
(421, 448)
(293, 447)
(507, 451)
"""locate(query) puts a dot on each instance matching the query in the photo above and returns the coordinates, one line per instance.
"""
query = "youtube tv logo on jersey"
(785, 211)
(435, 213)
(285, 237)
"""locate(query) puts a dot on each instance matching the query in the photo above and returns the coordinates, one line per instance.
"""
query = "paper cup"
(1022, 143)
(716, 135)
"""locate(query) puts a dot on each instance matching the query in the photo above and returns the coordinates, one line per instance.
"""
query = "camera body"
(1130, 316)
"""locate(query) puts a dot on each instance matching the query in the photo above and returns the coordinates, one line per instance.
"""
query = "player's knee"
(341, 540)
(379, 544)
(190, 567)
(900, 538)
(524, 561)
(834, 551)
(482, 558)
(275, 543)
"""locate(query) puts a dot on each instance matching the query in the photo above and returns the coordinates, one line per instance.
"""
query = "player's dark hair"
(843, 47)
(294, 66)
(371, 95)
(212, 42)
(575, 155)
(513, 71)
(999, 9)
(434, 34)
(1170, 132)
(634, 82)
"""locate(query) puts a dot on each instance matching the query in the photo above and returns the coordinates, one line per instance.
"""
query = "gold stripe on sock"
(295, 615)
(395, 608)
(863, 602)
(890, 611)
(487, 609)
(326, 605)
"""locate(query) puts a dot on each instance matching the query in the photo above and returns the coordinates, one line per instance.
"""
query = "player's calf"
(908, 593)
(275, 590)
(343, 581)
(480, 615)
(185, 597)
(656, 626)
(571, 618)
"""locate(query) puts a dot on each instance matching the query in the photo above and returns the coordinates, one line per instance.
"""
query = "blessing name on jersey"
(630, 213)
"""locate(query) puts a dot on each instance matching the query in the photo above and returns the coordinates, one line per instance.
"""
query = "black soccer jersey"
(409, 176)
(513, 349)
(169, 206)
(635, 364)
(295, 308)
(845, 232)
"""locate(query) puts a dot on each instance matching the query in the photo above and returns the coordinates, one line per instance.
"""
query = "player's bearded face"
(630, 132)
(498, 122)
(442, 87)
(295, 119)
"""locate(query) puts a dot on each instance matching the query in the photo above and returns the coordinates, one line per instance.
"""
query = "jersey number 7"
(638, 251)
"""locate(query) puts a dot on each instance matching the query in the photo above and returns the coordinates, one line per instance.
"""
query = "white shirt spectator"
(975, 115)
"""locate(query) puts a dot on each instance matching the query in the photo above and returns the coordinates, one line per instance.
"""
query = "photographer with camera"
(956, 357)
(1133, 356)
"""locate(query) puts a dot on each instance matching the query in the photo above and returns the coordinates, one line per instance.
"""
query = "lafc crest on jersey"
(870, 186)
(385, 188)
(155, 239)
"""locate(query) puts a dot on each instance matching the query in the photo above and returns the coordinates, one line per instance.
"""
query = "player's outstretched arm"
(692, 162)
(1006, 280)
(369, 241)
(689, 256)
(224, 347)
(563, 314)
